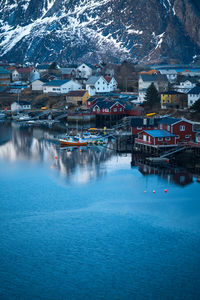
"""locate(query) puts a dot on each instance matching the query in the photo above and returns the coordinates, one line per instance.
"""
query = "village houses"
(61, 86)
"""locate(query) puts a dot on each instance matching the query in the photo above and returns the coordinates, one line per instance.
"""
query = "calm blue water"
(87, 225)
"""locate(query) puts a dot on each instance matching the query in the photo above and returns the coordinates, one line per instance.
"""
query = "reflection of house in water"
(172, 175)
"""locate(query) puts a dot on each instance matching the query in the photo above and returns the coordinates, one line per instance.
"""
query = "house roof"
(139, 122)
(93, 79)
(172, 93)
(23, 102)
(43, 67)
(56, 82)
(159, 133)
(25, 70)
(195, 90)
(169, 121)
(76, 93)
(153, 78)
(108, 78)
(4, 71)
(107, 104)
(66, 71)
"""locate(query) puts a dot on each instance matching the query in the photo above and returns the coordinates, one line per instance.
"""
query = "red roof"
(24, 70)
(108, 78)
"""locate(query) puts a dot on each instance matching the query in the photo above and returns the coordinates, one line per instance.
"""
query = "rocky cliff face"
(89, 30)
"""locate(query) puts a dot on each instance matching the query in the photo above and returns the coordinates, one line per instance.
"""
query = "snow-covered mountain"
(89, 30)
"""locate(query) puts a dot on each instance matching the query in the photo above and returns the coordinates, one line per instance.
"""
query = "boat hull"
(70, 143)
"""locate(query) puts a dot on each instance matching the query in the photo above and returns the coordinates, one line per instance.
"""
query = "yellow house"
(173, 99)
(77, 97)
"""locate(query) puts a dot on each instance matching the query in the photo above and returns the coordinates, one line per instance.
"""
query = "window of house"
(168, 127)
(106, 110)
(182, 128)
(98, 89)
(115, 109)
(178, 136)
(120, 109)
(187, 136)
(88, 102)
(139, 128)
(160, 139)
(161, 126)
(167, 139)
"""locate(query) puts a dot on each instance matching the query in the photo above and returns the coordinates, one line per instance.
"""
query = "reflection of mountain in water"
(78, 164)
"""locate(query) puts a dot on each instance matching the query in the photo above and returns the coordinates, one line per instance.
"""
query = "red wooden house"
(91, 102)
(183, 129)
(156, 138)
(139, 124)
(108, 108)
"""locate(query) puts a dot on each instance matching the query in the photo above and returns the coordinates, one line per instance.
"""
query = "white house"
(193, 95)
(20, 106)
(111, 82)
(15, 75)
(171, 74)
(37, 85)
(61, 86)
(84, 71)
(160, 82)
(97, 84)
(185, 86)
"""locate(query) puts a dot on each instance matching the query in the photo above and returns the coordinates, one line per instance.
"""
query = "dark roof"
(169, 121)
(106, 104)
(159, 133)
(42, 67)
(140, 122)
(153, 78)
(195, 90)
(77, 93)
(172, 93)
(56, 82)
(23, 103)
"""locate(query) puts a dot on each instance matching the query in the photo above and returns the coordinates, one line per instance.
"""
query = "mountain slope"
(144, 31)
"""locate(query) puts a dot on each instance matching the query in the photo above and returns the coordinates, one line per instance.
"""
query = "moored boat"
(71, 142)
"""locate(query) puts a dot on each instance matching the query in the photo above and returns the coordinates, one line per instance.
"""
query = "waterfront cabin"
(153, 140)
(20, 106)
(183, 129)
(91, 102)
(108, 108)
(141, 124)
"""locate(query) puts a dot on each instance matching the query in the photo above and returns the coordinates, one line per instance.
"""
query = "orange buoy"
(165, 190)
(56, 157)
(154, 191)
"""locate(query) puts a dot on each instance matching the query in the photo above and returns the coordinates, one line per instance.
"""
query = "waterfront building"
(37, 85)
(156, 138)
(108, 108)
(140, 124)
(20, 106)
(183, 129)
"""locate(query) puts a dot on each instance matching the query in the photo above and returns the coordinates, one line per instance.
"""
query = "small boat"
(72, 142)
